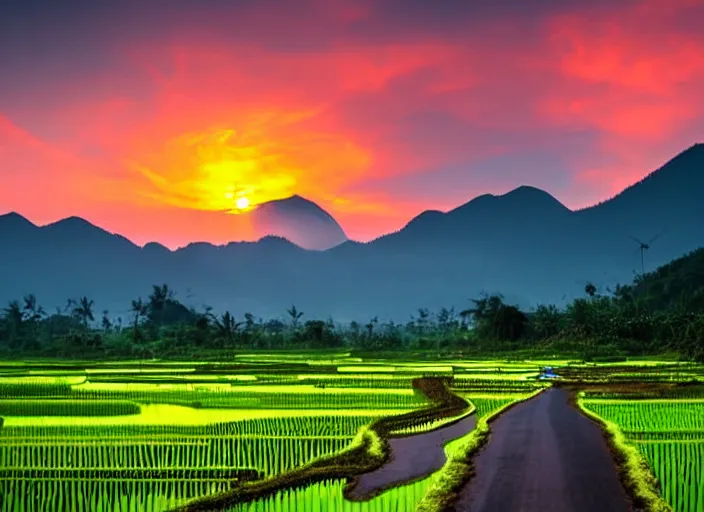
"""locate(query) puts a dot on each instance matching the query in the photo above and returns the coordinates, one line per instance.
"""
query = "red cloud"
(334, 102)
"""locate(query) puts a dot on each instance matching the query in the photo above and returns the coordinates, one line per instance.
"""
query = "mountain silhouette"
(524, 244)
(297, 219)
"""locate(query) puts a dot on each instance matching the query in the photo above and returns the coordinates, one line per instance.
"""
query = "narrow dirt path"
(411, 458)
(544, 456)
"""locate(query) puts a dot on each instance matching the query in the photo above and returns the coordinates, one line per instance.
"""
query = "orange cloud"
(376, 111)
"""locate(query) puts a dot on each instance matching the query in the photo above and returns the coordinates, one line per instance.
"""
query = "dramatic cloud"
(152, 120)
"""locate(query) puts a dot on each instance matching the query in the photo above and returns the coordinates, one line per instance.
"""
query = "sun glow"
(228, 170)
(242, 203)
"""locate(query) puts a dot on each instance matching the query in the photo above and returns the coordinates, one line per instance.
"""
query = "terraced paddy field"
(304, 432)
(669, 435)
(657, 411)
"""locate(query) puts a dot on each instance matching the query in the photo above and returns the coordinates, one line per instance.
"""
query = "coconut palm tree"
(107, 324)
(33, 312)
(295, 316)
(370, 327)
(227, 327)
(158, 300)
(15, 320)
(139, 309)
(83, 310)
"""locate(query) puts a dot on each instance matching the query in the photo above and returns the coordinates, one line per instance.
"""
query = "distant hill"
(675, 286)
(525, 244)
(297, 219)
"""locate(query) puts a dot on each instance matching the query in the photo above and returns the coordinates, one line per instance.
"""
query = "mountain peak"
(155, 248)
(692, 156)
(300, 221)
(526, 198)
(72, 222)
(15, 219)
(294, 201)
(527, 191)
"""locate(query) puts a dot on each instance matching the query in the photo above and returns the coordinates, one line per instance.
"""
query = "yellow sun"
(242, 203)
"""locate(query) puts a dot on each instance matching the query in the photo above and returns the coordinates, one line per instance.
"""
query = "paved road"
(544, 456)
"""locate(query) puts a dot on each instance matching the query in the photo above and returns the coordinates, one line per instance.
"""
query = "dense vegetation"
(659, 312)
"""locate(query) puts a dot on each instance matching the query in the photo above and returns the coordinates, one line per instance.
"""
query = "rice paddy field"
(664, 420)
(153, 436)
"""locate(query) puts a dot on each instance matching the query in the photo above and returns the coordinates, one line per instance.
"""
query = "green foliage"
(660, 312)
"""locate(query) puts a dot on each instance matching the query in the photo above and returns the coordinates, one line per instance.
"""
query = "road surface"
(544, 456)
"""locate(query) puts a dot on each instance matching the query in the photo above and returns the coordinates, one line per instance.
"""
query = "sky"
(151, 119)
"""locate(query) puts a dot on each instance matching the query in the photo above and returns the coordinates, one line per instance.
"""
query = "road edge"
(635, 474)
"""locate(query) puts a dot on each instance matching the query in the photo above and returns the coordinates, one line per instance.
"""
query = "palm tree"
(249, 321)
(70, 305)
(15, 319)
(83, 310)
(139, 309)
(422, 321)
(160, 296)
(107, 324)
(32, 310)
(295, 316)
(227, 326)
(464, 315)
(370, 327)
(32, 314)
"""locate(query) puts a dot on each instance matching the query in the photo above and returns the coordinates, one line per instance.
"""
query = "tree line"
(627, 321)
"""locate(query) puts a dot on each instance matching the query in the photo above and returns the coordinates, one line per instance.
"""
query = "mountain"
(524, 244)
(297, 219)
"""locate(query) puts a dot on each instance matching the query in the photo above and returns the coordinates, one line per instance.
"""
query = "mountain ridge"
(524, 243)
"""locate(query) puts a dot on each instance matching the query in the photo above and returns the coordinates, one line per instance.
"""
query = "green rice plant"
(679, 467)
(23, 388)
(295, 396)
(433, 424)
(637, 476)
(267, 455)
(650, 415)
(486, 404)
(345, 425)
(328, 496)
(106, 495)
(149, 468)
(67, 408)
